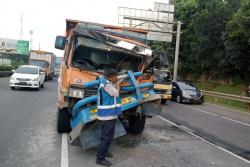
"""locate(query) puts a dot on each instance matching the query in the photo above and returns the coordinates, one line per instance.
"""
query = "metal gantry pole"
(177, 46)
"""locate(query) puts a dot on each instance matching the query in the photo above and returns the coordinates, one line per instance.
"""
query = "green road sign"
(22, 47)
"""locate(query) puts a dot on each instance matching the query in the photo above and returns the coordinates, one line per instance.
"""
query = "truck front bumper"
(166, 96)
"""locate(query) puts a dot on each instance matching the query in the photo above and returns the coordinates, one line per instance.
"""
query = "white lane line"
(64, 151)
(235, 121)
(243, 123)
(191, 133)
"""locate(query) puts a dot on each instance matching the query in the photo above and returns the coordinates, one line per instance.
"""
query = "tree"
(214, 40)
(237, 42)
(209, 23)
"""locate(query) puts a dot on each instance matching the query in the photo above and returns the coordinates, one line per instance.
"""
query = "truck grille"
(90, 91)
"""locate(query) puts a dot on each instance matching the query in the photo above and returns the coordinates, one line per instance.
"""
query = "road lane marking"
(64, 151)
(243, 123)
(235, 121)
(205, 140)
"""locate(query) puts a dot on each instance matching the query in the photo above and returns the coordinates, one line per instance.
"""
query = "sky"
(46, 18)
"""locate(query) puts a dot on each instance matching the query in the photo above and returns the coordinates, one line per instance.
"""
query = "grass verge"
(229, 89)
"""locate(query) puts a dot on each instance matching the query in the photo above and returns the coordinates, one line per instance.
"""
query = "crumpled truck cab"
(88, 49)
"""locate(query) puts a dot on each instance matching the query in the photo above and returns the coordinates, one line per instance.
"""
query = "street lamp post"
(31, 41)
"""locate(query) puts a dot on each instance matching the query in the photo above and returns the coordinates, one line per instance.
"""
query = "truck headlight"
(78, 93)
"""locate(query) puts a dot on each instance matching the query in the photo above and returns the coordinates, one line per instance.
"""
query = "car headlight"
(78, 93)
(34, 79)
(12, 78)
(185, 94)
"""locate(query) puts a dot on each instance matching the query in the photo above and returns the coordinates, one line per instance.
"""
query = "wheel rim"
(178, 99)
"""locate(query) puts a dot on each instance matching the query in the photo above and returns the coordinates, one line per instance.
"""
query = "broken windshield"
(95, 60)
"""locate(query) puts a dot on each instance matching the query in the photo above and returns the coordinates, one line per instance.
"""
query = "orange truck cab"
(88, 49)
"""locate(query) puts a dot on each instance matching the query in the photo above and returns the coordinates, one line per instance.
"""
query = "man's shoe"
(103, 162)
(109, 155)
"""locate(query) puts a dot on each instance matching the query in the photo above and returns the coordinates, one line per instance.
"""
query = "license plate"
(23, 83)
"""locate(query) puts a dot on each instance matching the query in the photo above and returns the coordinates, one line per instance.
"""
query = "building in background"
(13, 52)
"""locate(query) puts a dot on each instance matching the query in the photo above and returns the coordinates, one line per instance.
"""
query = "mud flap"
(152, 105)
(91, 137)
(151, 109)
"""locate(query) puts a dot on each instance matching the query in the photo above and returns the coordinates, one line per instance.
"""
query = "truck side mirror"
(60, 42)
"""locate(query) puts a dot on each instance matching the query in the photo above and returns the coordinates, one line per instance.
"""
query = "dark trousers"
(107, 134)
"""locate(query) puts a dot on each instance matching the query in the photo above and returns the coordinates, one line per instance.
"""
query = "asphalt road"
(226, 128)
(27, 127)
(29, 138)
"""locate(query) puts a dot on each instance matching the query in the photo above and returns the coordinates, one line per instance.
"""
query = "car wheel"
(39, 86)
(178, 99)
(200, 102)
(12, 88)
(42, 86)
(63, 121)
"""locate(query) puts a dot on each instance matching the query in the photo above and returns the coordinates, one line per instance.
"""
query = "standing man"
(107, 112)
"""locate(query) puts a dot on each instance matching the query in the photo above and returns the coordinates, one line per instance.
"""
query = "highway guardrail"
(243, 99)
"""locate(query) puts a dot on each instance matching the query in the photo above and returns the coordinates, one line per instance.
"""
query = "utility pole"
(31, 40)
(21, 27)
(177, 46)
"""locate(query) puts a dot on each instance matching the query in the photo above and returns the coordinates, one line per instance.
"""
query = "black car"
(185, 92)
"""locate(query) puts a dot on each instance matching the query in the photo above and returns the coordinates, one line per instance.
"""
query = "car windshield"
(96, 60)
(27, 70)
(39, 63)
(186, 86)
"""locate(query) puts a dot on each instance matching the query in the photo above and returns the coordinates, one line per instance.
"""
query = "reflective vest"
(107, 107)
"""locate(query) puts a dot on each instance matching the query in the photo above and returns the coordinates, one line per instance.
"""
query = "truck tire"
(136, 124)
(63, 121)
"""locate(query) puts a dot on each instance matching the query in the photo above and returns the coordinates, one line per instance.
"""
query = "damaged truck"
(88, 49)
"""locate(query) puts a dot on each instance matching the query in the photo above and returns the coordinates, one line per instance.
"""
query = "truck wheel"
(63, 121)
(136, 124)
(163, 101)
